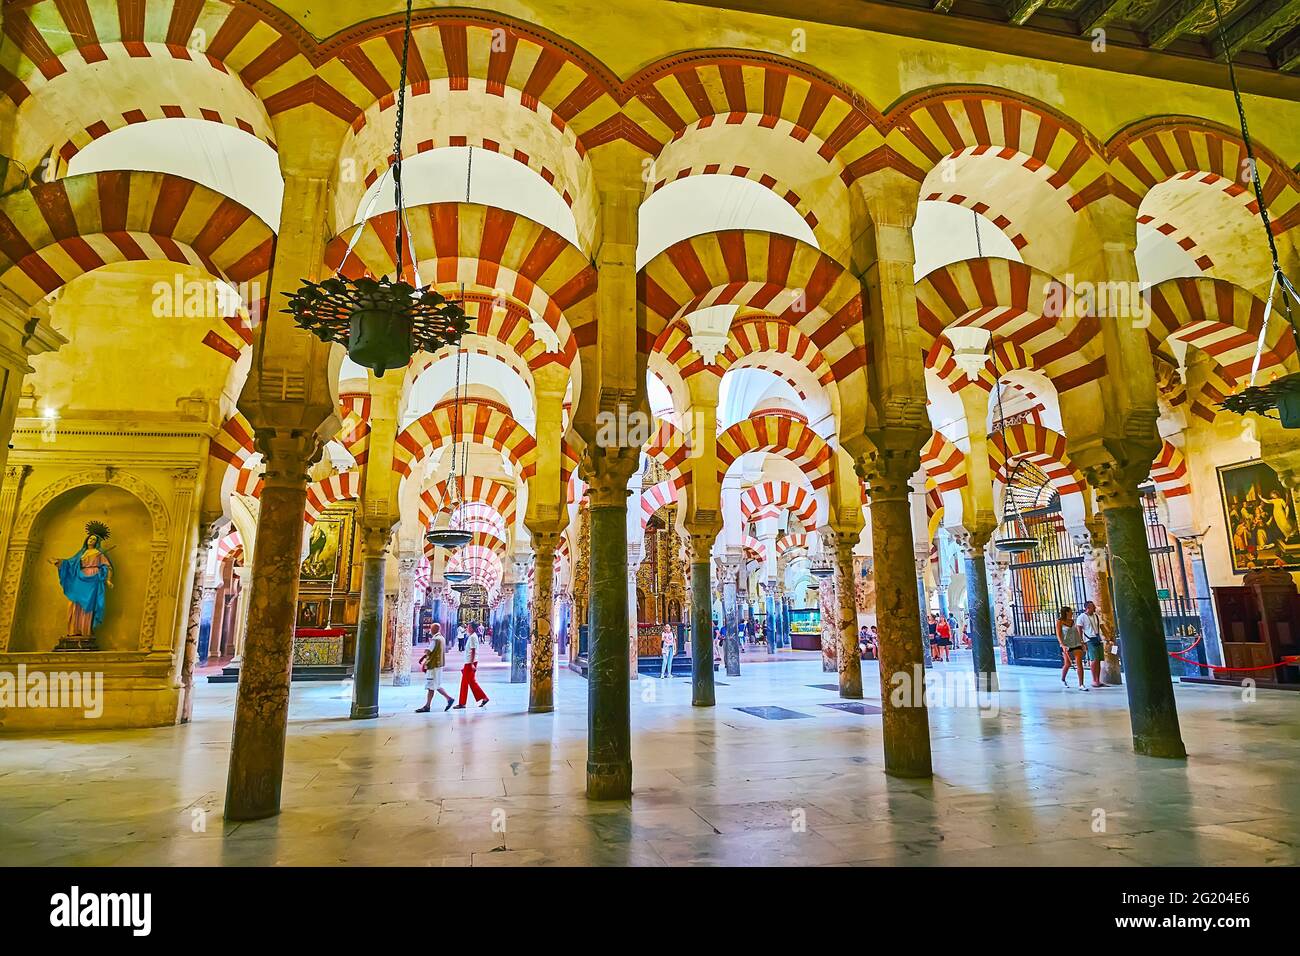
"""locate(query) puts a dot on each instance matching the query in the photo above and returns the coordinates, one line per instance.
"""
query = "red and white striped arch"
(791, 280)
(657, 496)
(781, 495)
(57, 231)
(343, 486)
(779, 436)
(1016, 303)
(1224, 321)
(486, 249)
(1044, 447)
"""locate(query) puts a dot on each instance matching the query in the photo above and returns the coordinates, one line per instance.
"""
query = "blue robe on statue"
(85, 590)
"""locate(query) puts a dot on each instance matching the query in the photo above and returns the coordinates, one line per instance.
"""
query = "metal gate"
(1042, 582)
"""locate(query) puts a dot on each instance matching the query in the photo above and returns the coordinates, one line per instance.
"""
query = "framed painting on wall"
(325, 545)
(1260, 517)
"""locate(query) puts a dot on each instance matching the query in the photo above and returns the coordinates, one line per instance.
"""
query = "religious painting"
(309, 614)
(1261, 518)
(324, 548)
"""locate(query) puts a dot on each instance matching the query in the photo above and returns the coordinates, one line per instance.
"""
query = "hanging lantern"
(444, 531)
(1012, 535)
(382, 322)
(457, 577)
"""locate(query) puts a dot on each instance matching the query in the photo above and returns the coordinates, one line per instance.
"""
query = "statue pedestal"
(76, 644)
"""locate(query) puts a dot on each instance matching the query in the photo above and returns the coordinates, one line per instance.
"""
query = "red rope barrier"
(1178, 656)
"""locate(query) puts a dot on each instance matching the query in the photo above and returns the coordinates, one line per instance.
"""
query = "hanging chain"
(1278, 274)
(399, 206)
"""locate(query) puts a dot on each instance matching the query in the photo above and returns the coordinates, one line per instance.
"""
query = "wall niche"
(41, 614)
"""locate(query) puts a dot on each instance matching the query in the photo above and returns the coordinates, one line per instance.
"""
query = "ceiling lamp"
(447, 530)
(1012, 536)
(457, 577)
(1283, 393)
(382, 322)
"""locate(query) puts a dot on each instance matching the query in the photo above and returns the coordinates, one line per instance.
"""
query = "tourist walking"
(432, 661)
(469, 670)
(1071, 641)
(668, 648)
(1088, 627)
(943, 630)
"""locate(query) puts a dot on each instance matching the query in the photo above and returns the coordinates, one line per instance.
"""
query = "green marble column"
(609, 708)
(980, 609)
(262, 699)
(702, 694)
(521, 631)
(1152, 712)
(370, 622)
(906, 721)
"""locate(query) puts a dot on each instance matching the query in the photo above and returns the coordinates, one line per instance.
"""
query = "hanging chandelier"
(1012, 535)
(1282, 394)
(457, 577)
(382, 322)
(447, 530)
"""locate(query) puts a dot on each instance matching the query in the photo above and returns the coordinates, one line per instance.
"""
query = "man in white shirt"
(1088, 626)
(468, 672)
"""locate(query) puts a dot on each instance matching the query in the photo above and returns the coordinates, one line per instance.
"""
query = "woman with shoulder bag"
(1071, 641)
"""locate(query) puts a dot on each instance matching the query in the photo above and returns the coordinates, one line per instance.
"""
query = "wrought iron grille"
(1047, 578)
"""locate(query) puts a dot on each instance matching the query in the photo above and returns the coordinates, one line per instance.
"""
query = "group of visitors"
(940, 630)
(868, 642)
(434, 660)
(1077, 633)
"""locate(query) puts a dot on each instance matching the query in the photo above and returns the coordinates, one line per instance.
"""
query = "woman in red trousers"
(468, 673)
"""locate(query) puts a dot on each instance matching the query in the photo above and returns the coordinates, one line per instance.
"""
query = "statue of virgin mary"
(85, 578)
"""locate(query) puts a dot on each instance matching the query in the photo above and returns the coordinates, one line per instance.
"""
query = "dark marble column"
(1152, 712)
(769, 614)
(262, 698)
(521, 630)
(541, 682)
(609, 714)
(370, 620)
(980, 609)
(906, 721)
(702, 694)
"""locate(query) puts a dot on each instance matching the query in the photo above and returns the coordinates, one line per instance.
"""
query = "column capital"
(607, 472)
(375, 537)
(887, 471)
(1115, 479)
(288, 453)
(545, 541)
(971, 541)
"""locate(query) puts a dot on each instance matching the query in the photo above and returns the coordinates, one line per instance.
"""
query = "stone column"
(906, 721)
(190, 653)
(830, 606)
(370, 619)
(207, 621)
(541, 686)
(1152, 711)
(244, 596)
(978, 606)
(271, 600)
(769, 612)
(1002, 601)
(1091, 543)
(521, 627)
(731, 566)
(609, 714)
(635, 554)
(403, 633)
(850, 660)
(702, 693)
(923, 607)
(1193, 547)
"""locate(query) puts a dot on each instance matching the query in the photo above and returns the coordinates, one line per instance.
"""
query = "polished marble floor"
(1049, 779)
